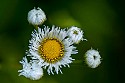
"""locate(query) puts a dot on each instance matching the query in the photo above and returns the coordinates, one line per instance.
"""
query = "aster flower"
(75, 34)
(31, 70)
(36, 16)
(52, 48)
(92, 58)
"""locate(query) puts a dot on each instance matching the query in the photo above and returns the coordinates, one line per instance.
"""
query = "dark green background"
(103, 23)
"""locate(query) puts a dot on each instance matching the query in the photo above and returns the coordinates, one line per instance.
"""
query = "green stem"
(36, 27)
(78, 61)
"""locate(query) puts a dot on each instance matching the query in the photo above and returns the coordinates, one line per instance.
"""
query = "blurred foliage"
(101, 20)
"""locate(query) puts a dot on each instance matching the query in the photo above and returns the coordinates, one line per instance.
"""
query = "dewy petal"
(53, 33)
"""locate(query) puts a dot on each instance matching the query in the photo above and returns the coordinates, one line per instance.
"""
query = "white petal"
(93, 58)
(31, 70)
(75, 34)
(36, 16)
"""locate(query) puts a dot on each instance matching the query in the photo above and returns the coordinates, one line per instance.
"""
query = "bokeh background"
(103, 23)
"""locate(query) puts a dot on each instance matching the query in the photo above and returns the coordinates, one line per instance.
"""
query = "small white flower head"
(52, 48)
(36, 16)
(92, 58)
(31, 70)
(75, 34)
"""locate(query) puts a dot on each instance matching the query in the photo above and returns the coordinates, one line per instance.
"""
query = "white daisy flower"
(52, 48)
(36, 16)
(75, 34)
(92, 58)
(31, 70)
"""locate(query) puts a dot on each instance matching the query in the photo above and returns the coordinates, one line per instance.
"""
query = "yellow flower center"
(51, 50)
